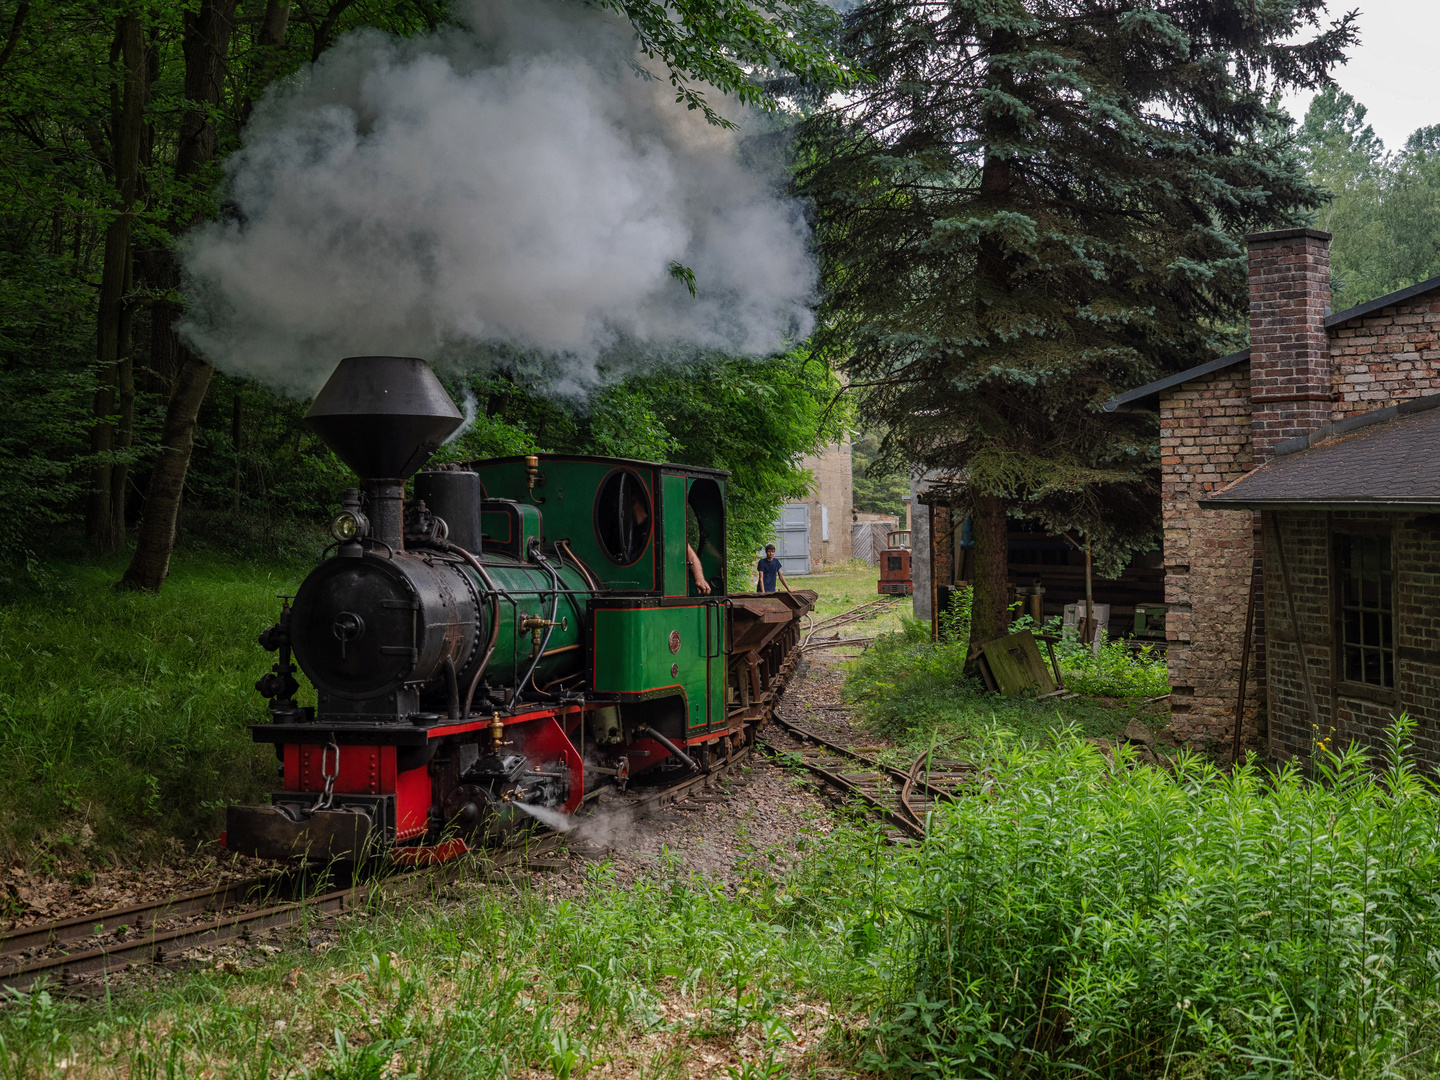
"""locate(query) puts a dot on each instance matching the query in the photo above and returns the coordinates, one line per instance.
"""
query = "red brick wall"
(1289, 348)
(1393, 353)
(1205, 444)
(1344, 713)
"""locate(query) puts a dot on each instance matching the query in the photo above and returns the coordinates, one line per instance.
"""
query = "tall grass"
(914, 691)
(1078, 918)
(1070, 916)
(125, 715)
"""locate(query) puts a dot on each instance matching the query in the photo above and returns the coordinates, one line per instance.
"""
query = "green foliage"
(127, 713)
(45, 410)
(1385, 207)
(60, 84)
(1085, 917)
(1116, 670)
(1038, 204)
(954, 621)
(914, 690)
(753, 418)
(879, 488)
(1069, 915)
(725, 44)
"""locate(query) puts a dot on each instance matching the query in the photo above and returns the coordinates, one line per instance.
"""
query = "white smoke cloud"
(514, 183)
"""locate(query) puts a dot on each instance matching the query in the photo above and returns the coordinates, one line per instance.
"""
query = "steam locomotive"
(517, 637)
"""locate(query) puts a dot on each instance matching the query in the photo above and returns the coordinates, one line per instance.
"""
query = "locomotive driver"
(641, 515)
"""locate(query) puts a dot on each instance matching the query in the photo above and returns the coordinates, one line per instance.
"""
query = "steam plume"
(512, 184)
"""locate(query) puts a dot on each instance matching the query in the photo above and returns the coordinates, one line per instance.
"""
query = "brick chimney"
(1290, 390)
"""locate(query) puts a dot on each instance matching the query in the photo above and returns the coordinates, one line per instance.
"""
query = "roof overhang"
(1147, 398)
(1382, 505)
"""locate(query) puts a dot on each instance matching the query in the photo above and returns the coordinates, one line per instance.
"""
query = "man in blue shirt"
(768, 570)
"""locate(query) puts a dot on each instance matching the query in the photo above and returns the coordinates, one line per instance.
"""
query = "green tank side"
(643, 652)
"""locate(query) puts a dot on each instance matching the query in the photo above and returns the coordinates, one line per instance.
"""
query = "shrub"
(1078, 917)
(1116, 670)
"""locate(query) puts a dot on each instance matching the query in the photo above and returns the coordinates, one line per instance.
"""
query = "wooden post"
(1090, 620)
(1295, 626)
(1245, 657)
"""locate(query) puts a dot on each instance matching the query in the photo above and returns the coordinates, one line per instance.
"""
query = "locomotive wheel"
(464, 808)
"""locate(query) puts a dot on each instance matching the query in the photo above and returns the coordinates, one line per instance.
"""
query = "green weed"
(125, 714)
(916, 691)
(1079, 917)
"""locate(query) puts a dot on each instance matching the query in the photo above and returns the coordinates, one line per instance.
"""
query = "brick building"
(1297, 416)
(831, 503)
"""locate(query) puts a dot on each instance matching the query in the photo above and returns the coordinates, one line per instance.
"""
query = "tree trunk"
(206, 44)
(237, 429)
(989, 612)
(125, 432)
(128, 120)
(151, 563)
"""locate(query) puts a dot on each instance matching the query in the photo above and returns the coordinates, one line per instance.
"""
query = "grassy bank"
(915, 691)
(123, 716)
(1074, 917)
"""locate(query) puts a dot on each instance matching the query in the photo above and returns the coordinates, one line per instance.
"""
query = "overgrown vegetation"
(1115, 669)
(124, 716)
(1071, 914)
(1085, 917)
(914, 689)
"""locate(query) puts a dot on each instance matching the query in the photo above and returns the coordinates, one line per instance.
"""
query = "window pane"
(1370, 591)
(1351, 626)
(1370, 628)
(1372, 667)
(1366, 594)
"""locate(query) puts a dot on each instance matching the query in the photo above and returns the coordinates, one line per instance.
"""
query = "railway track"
(858, 614)
(78, 950)
(901, 798)
(81, 949)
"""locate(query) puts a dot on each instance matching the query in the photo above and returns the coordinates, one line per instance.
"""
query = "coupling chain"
(328, 774)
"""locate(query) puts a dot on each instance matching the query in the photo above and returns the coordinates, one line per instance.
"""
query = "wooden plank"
(1016, 665)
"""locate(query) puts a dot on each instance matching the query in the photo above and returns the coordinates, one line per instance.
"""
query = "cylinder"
(455, 496)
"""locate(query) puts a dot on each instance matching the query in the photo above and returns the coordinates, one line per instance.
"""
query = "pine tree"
(1037, 204)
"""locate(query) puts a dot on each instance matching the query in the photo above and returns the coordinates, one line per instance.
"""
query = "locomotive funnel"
(383, 415)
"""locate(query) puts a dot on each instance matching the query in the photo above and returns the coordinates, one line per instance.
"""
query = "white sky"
(1393, 71)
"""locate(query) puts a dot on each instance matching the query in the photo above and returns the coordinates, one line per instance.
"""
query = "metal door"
(793, 545)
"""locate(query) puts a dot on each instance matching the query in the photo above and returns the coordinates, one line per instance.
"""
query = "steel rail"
(902, 814)
(835, 779)
(50, 934)
(157, 946)
(860, 613)
(874, 763)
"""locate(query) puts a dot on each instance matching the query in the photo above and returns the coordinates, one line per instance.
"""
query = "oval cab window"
(623, 516)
